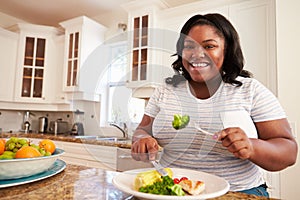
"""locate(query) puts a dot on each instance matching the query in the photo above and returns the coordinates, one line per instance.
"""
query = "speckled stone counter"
(69, 138)
(78, 183)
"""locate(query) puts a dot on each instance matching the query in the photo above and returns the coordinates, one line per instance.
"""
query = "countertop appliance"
(77, 128)
(59, 127)
(43, 124)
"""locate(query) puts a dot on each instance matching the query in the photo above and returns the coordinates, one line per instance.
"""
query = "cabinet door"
(72, 66)
(255, 23)
(33, 67)
(139, 49)
(8, 58)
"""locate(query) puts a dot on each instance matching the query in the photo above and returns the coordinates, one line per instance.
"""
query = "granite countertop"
(79, 182)
(68, 138)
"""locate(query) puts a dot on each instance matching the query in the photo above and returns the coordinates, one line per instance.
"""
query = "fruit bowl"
(23, 167)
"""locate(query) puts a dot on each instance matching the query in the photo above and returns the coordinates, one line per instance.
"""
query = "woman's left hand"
(237, 142)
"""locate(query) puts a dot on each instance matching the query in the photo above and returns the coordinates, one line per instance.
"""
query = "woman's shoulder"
(249, 82)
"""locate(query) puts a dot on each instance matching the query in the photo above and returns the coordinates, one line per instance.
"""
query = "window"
(122, 107)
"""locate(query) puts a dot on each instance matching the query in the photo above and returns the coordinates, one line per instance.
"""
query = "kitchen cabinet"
(98, 156)
(82, 38)
(8, 57)
(126, 162)
(255, 22)
(36, 60)
(144, 70)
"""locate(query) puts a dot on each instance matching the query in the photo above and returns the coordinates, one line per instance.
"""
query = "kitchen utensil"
(43, 124)
(159, 168)
(215, 135)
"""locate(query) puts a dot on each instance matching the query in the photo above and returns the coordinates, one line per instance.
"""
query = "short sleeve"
(265, 105)
(152, 108)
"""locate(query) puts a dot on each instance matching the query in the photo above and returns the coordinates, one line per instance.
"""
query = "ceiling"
(51, 12)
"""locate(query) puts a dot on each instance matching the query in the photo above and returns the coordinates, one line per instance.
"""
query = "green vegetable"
(180, 122)
(164, 187)
(177, 190)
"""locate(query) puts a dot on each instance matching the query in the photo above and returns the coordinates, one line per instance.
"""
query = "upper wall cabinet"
(8, 58)
(82, 37)
(36, 60)
(144, 70)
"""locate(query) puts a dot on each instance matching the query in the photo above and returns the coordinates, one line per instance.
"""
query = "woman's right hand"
(144, 149)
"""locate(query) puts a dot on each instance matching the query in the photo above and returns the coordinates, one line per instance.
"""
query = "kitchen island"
(80, 182)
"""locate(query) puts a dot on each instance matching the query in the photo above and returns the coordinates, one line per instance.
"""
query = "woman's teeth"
(199, 64)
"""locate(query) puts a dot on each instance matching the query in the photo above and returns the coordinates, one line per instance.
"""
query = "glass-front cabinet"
(37, 64)
(144, 64)
(72, 60)
(83, 37)
(33, 67)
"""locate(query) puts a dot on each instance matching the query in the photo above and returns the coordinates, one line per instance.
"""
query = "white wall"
(288, 43)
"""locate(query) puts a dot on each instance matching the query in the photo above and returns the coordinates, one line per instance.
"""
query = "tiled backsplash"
(12, 120)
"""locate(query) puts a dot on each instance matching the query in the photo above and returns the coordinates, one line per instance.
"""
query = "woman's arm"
(144, 147)
(276, 147)
(274, 150)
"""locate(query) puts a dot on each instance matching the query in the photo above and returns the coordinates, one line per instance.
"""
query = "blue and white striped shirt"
(189, 148)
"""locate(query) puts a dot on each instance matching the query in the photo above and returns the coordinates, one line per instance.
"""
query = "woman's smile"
(203, 53)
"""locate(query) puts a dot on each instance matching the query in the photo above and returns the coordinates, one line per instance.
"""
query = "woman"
(251, 128)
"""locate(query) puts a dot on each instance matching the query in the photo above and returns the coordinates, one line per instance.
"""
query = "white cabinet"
(82, 38)
(36, 60)
(255, 23)
(126, 162)
(8, 57)
(144, 68)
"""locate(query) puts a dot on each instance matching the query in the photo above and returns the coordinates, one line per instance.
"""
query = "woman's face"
(203, 53)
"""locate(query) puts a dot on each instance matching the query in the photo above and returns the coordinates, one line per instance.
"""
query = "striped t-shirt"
(189, 148)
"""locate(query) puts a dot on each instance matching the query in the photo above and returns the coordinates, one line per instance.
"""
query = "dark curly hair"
(233, 63)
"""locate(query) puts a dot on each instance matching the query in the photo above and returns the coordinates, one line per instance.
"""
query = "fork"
(159, 168)
(215, 135)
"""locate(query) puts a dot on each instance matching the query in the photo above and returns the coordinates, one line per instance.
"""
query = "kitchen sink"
(114, 139)
(86, 137)
(101, 138)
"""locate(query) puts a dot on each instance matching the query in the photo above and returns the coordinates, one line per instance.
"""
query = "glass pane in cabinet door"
(76, 45)
(69, 73)
(29, 48)
(136, 32)
(70, 55)
(75, 67)
(38, 83)
(26, 84)
(143, 71)
(40, 52)
(135, 64)
(144, 30)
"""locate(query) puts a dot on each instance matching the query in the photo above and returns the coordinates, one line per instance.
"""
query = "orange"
(2, 146)
(48, 145)
(27, 152)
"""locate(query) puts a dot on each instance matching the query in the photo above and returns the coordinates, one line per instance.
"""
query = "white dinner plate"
(214, 186)
(57, 167)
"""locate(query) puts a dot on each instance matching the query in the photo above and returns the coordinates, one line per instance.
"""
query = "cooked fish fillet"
(192, 187)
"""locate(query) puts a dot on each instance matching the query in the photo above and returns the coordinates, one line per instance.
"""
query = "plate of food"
(185, 184)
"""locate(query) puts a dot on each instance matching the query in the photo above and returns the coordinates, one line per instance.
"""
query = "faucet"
(124, 129)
